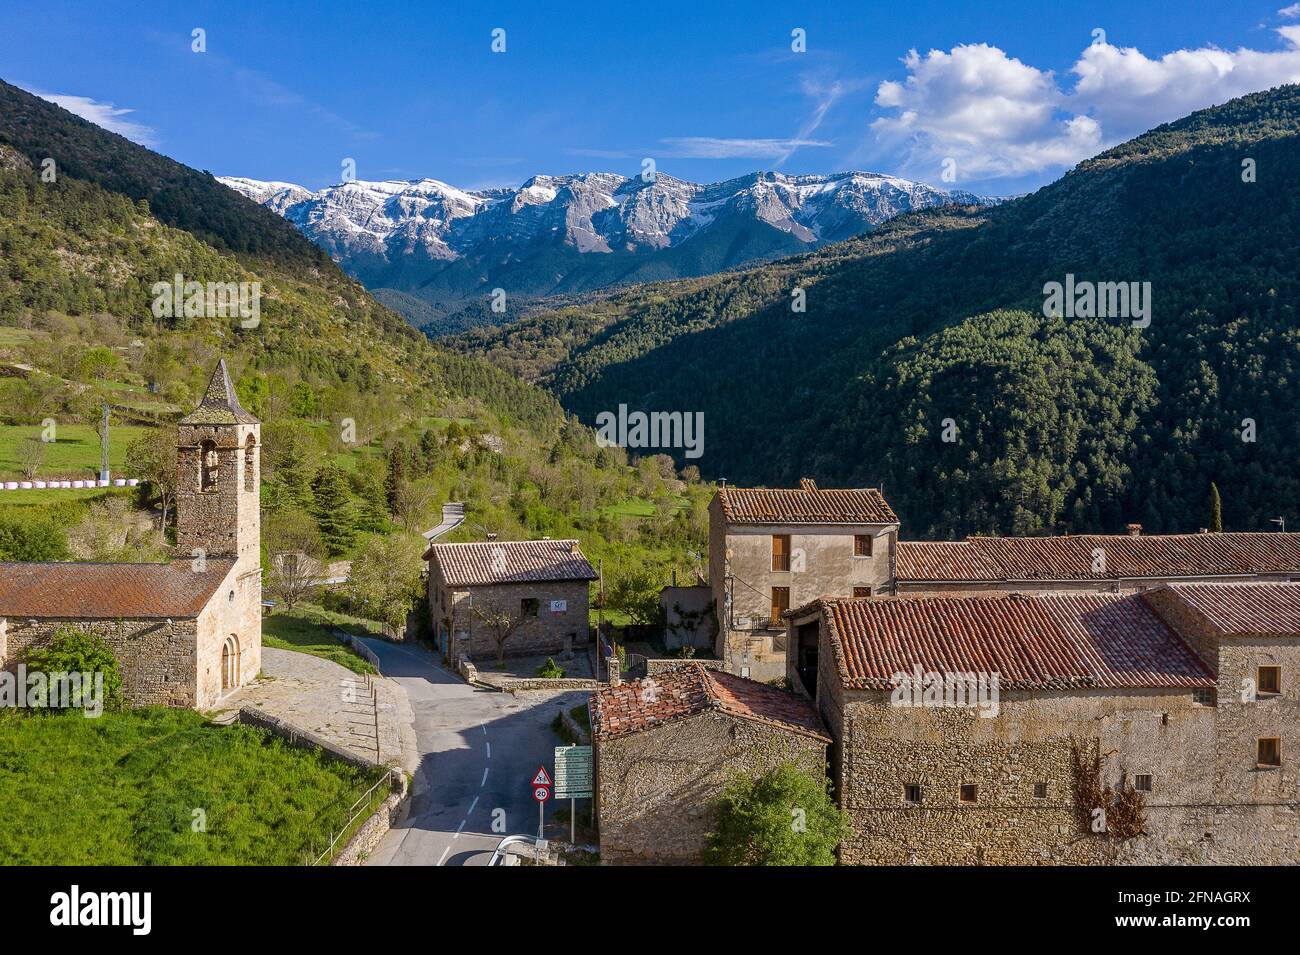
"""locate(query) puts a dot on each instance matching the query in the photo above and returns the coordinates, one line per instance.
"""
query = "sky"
(997, 99)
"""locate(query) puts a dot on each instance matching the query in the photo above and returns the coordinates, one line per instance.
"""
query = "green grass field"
(128, 787)
(306, 629)
(74, 455)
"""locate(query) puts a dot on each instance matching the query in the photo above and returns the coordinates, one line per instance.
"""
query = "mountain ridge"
(564, 235)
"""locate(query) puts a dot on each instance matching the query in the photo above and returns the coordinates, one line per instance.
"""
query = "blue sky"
(1005, 99)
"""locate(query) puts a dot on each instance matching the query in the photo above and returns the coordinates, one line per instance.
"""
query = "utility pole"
(103, 447)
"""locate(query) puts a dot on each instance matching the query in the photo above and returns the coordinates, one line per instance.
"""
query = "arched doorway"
(230, 663)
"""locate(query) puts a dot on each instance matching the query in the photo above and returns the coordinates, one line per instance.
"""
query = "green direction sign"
(573, 772)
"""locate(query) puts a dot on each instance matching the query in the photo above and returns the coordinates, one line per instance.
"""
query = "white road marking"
(458, 829)
(472, 805)
(484, 782)
(444, 855)
(489, 750)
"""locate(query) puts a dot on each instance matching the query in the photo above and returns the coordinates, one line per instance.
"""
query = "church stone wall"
(156, 657)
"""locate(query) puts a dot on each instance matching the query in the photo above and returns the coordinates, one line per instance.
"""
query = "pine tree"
(334, 510)
(1216, 510)
(396, 479)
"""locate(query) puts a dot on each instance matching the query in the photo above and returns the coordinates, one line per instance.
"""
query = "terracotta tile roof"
(806, 505)
(943, 560)
(1045, 641)
(1072, 557)
(220, 404)
(1244, 608)
(505, 562)
(108, 591)
(687, 691)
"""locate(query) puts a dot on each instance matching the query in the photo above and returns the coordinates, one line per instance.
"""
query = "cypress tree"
(1216, 510)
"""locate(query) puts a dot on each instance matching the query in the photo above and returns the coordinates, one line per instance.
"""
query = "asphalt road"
(478, 751)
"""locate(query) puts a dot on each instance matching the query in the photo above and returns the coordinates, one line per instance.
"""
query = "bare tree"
(414, 499)
(502, 625)
(295, 550)
(31, 456)
(152, 458)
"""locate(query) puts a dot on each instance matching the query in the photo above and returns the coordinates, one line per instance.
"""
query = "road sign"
(541, 793)
(573, 772)
(541, 779)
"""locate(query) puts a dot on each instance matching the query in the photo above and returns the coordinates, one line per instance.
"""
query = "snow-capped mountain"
(565, 234)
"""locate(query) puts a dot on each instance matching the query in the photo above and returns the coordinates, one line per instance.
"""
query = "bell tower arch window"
(209, 466)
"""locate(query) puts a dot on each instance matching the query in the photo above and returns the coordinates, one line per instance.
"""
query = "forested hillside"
(367, 426)
(1070, 424)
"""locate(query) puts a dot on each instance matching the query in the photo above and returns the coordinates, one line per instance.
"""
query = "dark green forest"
(1074, 424)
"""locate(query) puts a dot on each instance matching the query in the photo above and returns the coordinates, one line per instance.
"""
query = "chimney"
(573, 548)
(807, 484)
(491, 536)
(1134, 530)
(722, 482)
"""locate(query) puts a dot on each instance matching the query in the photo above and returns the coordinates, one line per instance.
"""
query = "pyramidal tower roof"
(220, 404)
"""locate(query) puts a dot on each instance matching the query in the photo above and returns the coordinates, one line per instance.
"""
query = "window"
(862, 545)
(1269, 681)
(208, 466)
(1269, 751)
(780, 551)
(780, 604)
(1143, 782)
(969, 792)
(250, 462)
(862, 591)
(1040, 790)
(1204, 696)
(529, 607)
(911, 793)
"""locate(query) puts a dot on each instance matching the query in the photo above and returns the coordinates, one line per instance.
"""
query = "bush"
(31, 538)
(550, 670)
(783, 818)
(76, 651)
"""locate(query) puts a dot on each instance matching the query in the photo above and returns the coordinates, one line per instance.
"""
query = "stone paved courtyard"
(332, 701)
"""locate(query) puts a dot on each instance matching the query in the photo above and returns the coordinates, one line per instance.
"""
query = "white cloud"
(1291, 12)
(707, 147)
(105, 115)
(996, 116)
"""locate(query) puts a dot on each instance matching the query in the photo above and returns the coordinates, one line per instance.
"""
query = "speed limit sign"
(541, 794)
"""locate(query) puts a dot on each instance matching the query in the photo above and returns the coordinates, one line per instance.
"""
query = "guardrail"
(367, 805)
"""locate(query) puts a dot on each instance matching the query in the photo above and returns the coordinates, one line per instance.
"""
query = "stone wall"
(157, 658)
(1192, 816)
(547, 632)
(224, 521)
(656, 789)
(225, 616)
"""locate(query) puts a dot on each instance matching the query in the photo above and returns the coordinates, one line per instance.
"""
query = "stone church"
(186, 632)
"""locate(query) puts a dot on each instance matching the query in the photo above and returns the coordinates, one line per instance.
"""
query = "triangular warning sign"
(541, 779)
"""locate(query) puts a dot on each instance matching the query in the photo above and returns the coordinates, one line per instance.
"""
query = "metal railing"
(365, 804)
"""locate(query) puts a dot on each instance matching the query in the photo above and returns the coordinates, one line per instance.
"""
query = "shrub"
(76, 651)
(785, 817)
(550, 670)
(31, 538)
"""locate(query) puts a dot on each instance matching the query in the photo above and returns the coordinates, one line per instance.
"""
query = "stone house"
(666, 746)
(770, 550)
(933, 771)
(535, 594)
(186, 632)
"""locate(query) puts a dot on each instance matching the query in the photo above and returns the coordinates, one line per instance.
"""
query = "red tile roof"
(1074, 557)
(1244, 608)
(943, 560)
(692, 689)
(108, 591)
(807, 505)
(505, 562)
(1044, 641)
